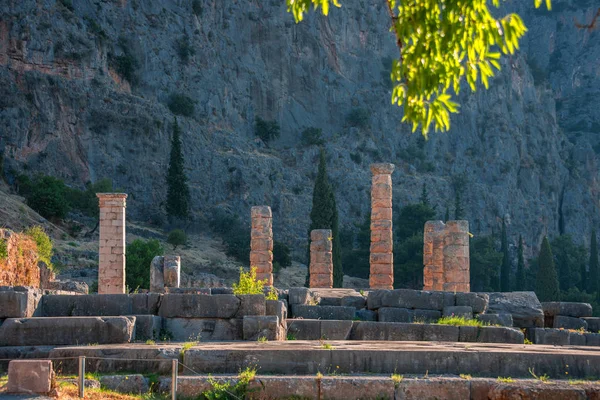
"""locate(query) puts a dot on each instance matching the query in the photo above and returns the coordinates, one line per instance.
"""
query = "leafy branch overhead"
(440, 43)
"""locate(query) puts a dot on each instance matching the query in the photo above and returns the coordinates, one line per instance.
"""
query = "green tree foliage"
(46, 195)
(594, 278)
(43, 243)
(139, 257)
(281, 256)
(408, 246)
(177, 237)
(447, 214)
(568, 259)
(184, 48)
(485, 263)
(459, 212)
(248, 283)
(197, 8)
(3, 249)
(520, 279)
(266, 130)
(441, 42)
(178, 193)
(180, 104)
(356, 250)
(359, 118)
(86, 200)
(546, 284)
(424, 195)
(324, 215)
(235, 234)
(312, 136)
(505, 269)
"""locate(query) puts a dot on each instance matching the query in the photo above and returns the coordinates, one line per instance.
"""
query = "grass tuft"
(460, 321)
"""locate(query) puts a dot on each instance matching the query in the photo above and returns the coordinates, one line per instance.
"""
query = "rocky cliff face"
(84, 87)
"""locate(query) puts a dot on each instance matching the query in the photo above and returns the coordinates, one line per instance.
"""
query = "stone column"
(446, 256)
(111, 268)
(261, 243)
(321, 259)
(172, 271)
(381, 257)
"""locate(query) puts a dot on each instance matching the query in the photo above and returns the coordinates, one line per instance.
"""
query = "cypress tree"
(447, 216)
(520, 280)
(324, 215)
(458, 210)
(546, 285)
(178, 192)
(593, 281)
(424, 195)
(505, 269)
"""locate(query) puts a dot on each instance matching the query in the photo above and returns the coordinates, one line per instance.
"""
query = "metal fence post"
(174, 380)
(81, 377)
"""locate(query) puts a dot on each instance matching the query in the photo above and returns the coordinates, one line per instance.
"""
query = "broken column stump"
(381, 257)
(111, 266)
(446, 256)
(261, 243)
(321, 259)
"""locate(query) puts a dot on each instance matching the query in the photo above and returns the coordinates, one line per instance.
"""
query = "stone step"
(323, 312)
(343, 357)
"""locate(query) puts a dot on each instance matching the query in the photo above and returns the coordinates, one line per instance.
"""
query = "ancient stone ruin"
(321, 259)
(446, 256)
(111, 266)
(165, 272)
(261, 243)
(381, 257)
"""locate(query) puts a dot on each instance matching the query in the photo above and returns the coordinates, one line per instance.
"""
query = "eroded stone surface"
(111, 266)
(30, 376)
(261, 243)
(321, 259)
(381, 257)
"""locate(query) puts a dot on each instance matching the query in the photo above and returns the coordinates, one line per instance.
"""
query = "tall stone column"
(321, 259)
(381, 257)
(446, 256)
(261, 243)
(111, 268)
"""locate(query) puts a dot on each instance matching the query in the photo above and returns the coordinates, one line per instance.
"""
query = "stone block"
(557, 337)
(323, 312)
(335, 330)
(147, 327)
(577, 339)
(593, 323)
(86, 306)
(203, 329)
(458, 311)
(157, 278)
(430, 316)
(407, 298)
(304, 329)
(592, 339)
(441, 333)
(15, 304)
(172, 271)
(221, 290)
(57, 331)
(144, 303)
(347, 387)
(366, 330)
(199, 306)
(251, 304)
(330, 301)
(560, 321)
(381, 281)
(357, 302)
(375, 299)
(467, 333)
(298, 296)
(496, 319)
(500, 334)
(405, 332)
(30, 376)
(478, 301)
(261, 212)
(524, 307)
(130, 384)
(277, 308)
(321, 268)
(265, 326)
(433, 388)
(567, 309)
(392, 314)
(365, 315)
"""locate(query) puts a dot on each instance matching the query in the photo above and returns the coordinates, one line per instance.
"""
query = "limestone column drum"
(381, 257)
(111, 266)
(321, 258)
(261, 243)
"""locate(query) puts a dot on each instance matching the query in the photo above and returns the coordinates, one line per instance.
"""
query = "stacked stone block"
(165, 272)
(261, 243)
(321, 259)
(446, 256)
(111, 268)
(381, 257)
(566, 315)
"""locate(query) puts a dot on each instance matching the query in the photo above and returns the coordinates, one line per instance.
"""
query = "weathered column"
(172, 271)
(381, 257)
(111, 268)
(321, 259)
(446, 256)
(456, 257)
(261, 243)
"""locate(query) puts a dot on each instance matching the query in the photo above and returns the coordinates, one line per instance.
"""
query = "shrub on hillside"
(180, 104)
(266, 130)
(236, 235)
(45, 194)
(358, 117)
(177, 237)
(139, 257)
(43, 243)
(312, 136)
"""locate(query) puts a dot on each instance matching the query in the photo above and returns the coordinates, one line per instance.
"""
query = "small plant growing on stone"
(319, 376)
(542, 378)
(262, 339)
(177, 237)
(3, 250)
(43, 243)
(248, 283)
(272, 295)
(460, 321)
(290, 336)
(505, 380)
(527, 341)
(150, 342)
(227, 390)
(186, 346)
(466, 376)
(325, 345)
(397, 378)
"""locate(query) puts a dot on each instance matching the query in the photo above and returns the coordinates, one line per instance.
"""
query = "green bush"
(45, 194)
(358, 117)
(312, 136)
(43, 243)
(125, 66)
(227, 390)
(266, 130)
(236, 235)
(248, 283)
(184, 48)
(139, 257)
(177, 237)
(3, 250)
(197, 8)
(180, 104)
(281, 254)
(85, 200)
